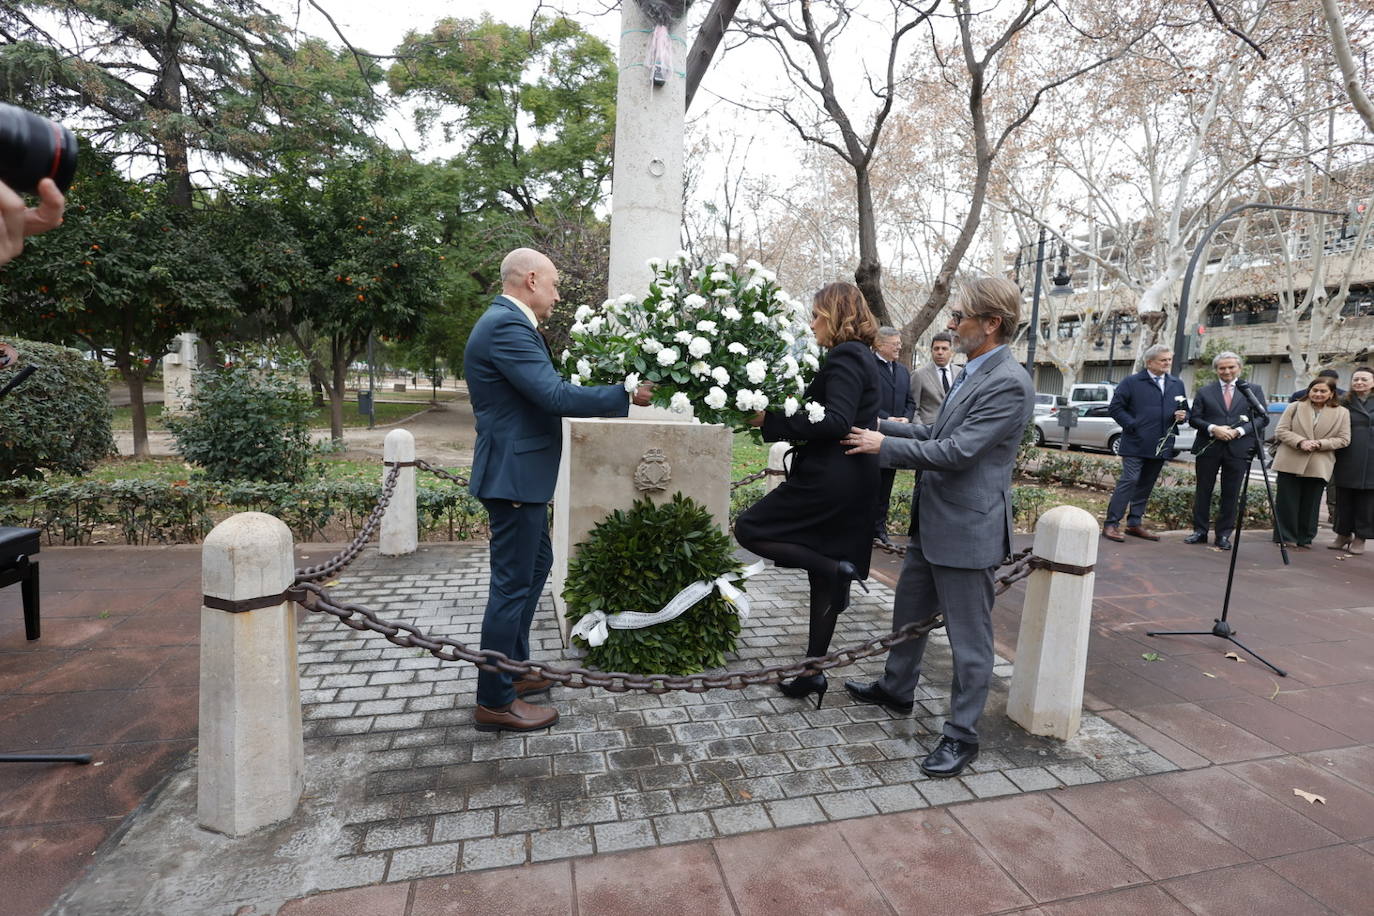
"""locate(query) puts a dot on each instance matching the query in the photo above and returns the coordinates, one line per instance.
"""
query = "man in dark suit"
(894, 403)
(961, 518)
(1325, 373)
(1148, 406)
(1227, 430)
(518, 398)
(931, 382)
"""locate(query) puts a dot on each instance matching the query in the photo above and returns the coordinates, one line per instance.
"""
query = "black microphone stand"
(1221, 627)
(19, 378)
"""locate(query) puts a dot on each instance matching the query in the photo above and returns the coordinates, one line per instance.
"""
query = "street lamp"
(1062, 287)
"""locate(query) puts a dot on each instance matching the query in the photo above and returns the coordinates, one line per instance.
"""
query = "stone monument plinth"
(178, 372)
(609, 463)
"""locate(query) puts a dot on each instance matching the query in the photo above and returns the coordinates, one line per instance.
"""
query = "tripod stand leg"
(45, 758)
(1257, 657)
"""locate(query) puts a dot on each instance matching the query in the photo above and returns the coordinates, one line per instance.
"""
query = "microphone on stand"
(1249, 392)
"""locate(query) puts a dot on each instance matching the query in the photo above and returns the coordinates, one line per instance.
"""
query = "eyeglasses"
(958, 316)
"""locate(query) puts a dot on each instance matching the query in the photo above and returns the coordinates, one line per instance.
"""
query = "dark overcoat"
(1355, 462)
(827, 502)
(1146, 414)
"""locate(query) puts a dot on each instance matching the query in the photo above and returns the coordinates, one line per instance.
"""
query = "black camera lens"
(33, 148)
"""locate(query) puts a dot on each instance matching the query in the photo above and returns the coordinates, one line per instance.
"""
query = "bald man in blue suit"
(518, 399)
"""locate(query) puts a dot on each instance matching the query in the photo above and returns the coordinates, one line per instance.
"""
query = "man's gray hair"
(1151, 352)
(886, 331)
(1227, 354)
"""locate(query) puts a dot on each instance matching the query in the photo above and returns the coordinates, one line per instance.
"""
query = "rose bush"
(720, 339)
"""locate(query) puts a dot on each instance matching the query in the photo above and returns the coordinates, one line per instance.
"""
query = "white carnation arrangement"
(720, 339)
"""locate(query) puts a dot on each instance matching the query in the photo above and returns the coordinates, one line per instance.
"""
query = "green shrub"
(1171, 507)
(637, 561)
(57, 420)
(246, 423)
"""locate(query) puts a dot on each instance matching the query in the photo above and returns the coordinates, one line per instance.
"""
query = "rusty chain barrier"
(310, 594)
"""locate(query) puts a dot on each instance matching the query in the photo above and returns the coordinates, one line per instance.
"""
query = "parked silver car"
(1096, 429)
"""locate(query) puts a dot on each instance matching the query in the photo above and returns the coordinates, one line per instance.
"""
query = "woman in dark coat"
(821, 518)
(1353, 479)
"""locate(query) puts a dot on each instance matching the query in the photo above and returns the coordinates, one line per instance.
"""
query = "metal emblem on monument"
(653, 472)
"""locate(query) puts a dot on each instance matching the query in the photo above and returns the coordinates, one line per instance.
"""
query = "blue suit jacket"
(1146, 414)
(518, 398)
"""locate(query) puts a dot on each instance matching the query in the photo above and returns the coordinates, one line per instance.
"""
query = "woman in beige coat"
(1309, 433)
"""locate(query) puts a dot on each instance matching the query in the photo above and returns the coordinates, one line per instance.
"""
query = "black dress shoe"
(1197, 537)
(949, 758)
(845, 573)
(802, 687)
(873, 693)
(1223, 543)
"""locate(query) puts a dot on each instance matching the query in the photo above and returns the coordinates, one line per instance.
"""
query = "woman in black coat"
(821, 518)
(1352, 482)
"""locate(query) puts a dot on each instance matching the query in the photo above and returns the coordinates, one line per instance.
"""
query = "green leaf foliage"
(59, 418)
(637, 561)
(246, 423)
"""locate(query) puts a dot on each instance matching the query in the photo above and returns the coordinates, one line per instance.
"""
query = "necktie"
(1159, 380)
(944, 379)
(1226, 395)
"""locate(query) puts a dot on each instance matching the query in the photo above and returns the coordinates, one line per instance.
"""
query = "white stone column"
(779, 462)
(1046, 695)
(400, 527)
(251, 756)
(179, 369)
(646, 201)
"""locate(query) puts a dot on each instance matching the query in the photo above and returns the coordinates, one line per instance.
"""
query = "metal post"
(371, 386)
(1035, 307)
(1111, 351)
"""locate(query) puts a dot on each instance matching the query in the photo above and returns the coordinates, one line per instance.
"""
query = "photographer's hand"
(21, 222)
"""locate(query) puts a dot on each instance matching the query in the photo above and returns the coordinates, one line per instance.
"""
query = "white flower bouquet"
(722, 340)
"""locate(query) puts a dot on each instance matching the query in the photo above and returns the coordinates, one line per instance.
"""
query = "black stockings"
(821, 572)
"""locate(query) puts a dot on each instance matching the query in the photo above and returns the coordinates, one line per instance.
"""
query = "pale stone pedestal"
(597, 477)
(779, 463)
(178, 373)
(400, 524)
(252, 756)
(1046, 695)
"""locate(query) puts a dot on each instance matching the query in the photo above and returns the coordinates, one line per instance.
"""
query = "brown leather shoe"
(519, 716)
(1112, 533)
(1139, 531)
(532, 684)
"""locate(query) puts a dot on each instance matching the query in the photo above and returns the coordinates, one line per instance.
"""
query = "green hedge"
(182, 512)
(57, 420)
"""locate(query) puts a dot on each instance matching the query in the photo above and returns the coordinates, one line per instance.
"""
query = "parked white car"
(1046, 404)
(1096, 429)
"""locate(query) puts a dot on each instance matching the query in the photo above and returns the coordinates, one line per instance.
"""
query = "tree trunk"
(168, 98)
(339, 359)
(868, 276)
(134, 379)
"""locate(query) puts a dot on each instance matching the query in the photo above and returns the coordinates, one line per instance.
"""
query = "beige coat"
(1330, 427)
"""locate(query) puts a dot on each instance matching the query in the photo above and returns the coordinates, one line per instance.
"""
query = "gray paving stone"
(740, 819)
(943, 791)
(738, 728)
(601, 741)
(842, 805)
(582, 762)
(697, 798)
(494, 795)
(761, 788)
(396, 835)
(1074, 774)
(765, 765)
(494, 852)
(645, 804)
(680, 753)
(622, 835)
(989, 785)
(561, 844)
(671, 715)
(423, 861)
(812, 758)
(525, 767)
(672, 776)
(587, 811)
(807, 782)
(855, 777)
(537, 745)
(794, 811)
(891, 799)
(1032, 779)
(632, 758)
(464, 825)
(773, 742)
(615, 782)
(679, 828)
(1150, 762)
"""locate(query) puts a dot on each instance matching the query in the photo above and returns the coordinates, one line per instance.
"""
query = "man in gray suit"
(961, 519)
(931, 382)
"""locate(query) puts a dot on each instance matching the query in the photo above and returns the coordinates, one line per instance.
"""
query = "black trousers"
(1355, 512)
(1233, 472)
(884, 501)
(1297, 502)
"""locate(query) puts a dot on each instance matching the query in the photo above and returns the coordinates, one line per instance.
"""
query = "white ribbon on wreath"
(593, 626)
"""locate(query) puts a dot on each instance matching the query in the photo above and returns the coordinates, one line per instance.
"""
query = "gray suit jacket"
(963, 494)
(927, 391)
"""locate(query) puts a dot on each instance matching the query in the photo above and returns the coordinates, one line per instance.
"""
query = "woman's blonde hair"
(845, 315)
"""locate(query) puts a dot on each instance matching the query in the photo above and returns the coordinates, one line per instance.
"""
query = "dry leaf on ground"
(1234, 657)
(1311, 797)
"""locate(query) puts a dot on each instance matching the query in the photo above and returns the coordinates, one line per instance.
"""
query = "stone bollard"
(1052, 648)
(778, 464)
(252, 757)
(400, 533)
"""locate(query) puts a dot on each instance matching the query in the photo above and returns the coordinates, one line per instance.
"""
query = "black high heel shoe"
(845, 573)
(805, 685)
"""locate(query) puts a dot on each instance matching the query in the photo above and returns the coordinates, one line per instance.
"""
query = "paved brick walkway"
(405, 798)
